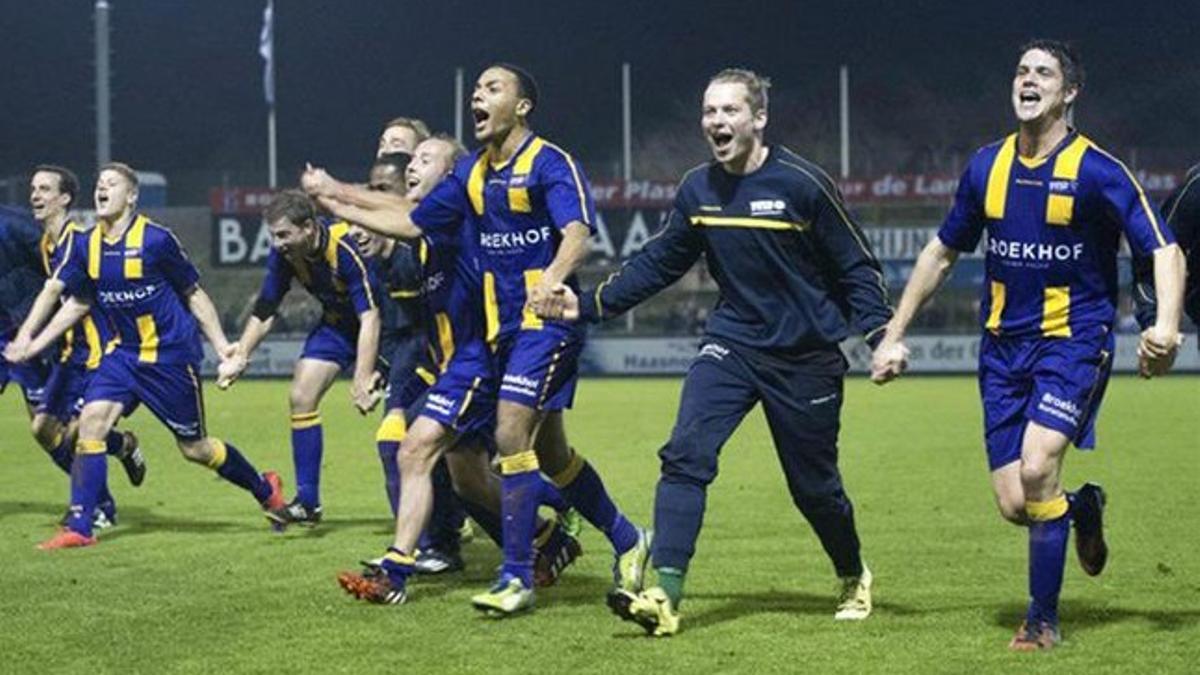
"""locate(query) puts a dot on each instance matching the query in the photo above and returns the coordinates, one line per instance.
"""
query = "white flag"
(266, 48)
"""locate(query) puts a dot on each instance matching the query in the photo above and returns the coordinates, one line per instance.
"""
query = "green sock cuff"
(670, 579)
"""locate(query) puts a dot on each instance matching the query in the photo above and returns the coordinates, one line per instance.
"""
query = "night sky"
(188, 80)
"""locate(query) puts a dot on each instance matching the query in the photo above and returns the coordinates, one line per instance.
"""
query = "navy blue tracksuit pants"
(801, 395)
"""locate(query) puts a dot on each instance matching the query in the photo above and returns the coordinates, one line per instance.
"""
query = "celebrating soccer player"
(52, 191)
(796, 278)
(328, 264)
(453, 403)
(136, 271)
(1054, 206)
(402, 134)
(526, 203)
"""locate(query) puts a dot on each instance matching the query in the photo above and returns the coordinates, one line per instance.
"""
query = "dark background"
(930, 80)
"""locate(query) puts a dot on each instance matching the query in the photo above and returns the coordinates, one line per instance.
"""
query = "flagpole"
(266, 49)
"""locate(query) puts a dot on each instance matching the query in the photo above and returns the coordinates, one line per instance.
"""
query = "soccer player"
(52, 191)
(1182, 210)
(327, 263)
(1054, 206)
(402, 344)
(137, 273)
(453, 404)
(526, 203)
(796, 277)
(22, 274)
(402, 134)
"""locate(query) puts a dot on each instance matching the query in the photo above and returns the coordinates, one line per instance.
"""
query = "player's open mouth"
(1030, 97)
(721, 140)
(102, 200)
(481, 117)
(412, 182)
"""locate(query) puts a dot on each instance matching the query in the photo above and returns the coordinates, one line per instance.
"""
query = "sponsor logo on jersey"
(502, 241)
(127, 297)
(1034, 251)
(767, 207)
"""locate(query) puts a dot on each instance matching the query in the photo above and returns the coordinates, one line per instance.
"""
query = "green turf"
(191, 581)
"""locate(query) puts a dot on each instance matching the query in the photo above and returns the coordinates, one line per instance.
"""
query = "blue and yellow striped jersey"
(139, 281)
(452, 289)
(83, 344)
(1054, 229)
(517, 209)
(336, 276)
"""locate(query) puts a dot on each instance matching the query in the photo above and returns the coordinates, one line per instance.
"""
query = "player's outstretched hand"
(889, 361)
(17, 351)
(558, 303)
(365, 391)
(233, 364)
(1156, 351)
(317, 182)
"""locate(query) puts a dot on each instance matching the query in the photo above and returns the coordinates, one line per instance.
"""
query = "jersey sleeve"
(441, 213)
(568, 196)
(963, 226)
(361, 281)
(174, 263)
(275, 285)
(858, 273)
(667, 256)
(71, 268)
(1182, 211)
(1127, 204)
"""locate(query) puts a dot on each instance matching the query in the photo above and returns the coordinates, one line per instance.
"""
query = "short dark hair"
(1067, 56)
(68, 182)
(122, 168)
(756, 85)
(527, 87)
(293, 205)
(397, 160)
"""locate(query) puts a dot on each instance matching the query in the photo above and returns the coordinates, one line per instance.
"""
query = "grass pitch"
(192, 581)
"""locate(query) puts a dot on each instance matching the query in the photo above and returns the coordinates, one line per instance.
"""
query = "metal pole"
(103, 93)
(272, 156)
(458, 104)
(845, 100)
(626, 122)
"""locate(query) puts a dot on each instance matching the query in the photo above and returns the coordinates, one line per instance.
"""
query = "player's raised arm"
(383, 212)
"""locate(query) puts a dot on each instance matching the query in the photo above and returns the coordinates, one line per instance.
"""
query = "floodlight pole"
(845, 118)
(103, 92)
(458, 104)
(626, 123)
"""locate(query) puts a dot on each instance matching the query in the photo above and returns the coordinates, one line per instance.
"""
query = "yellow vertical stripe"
(1059, 209)
(1066, 168)
(579, 191)
(475, 183)
(491, 308)
(92, 335)
(135, 241)
(147, 339)
(1056, 312)
(998, 179)
(529, 319)
(336, 232)
(445, 339)
(997, 308)
(518, 197)
(94, 253)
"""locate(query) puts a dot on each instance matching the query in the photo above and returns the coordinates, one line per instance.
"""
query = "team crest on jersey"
(767, 207)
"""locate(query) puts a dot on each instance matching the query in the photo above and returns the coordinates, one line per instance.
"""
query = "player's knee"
(43, 429)
(1012, 510)
(416, 455)
(511, 437)
(302, 399)
(686, 458)
(1035, 471)
(195, 450)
